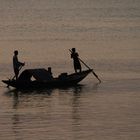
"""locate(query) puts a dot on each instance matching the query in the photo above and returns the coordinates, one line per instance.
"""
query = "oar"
(88, 68)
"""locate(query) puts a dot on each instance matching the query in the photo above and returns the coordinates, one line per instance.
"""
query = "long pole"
(88, 68)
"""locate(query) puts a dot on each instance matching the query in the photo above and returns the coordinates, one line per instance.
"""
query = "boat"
(40, 78)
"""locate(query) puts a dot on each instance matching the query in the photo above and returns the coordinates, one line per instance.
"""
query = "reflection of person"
(77, 65)
(16, 64)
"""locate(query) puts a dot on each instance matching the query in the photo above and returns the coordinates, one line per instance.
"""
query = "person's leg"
(16, 73)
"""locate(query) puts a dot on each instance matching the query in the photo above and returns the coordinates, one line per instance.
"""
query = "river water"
(106, 35)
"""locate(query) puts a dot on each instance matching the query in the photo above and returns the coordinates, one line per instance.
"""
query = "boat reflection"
(48, 108)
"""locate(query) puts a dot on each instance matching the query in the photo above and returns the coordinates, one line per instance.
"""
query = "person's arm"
(21, 64)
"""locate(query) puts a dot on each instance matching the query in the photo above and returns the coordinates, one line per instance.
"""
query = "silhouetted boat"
(44, 80)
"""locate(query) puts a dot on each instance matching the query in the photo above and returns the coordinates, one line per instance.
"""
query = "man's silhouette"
(76, 62)
(16, 64)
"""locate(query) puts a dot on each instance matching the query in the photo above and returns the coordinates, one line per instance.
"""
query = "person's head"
(73, 49)
(16, 52)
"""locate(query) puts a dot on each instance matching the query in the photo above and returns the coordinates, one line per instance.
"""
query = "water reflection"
(15, 99)
(75, 109)
(78, 109)
(15, 127)
(47, 108)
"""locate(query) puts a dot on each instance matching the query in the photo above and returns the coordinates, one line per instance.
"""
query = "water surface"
(107, 36)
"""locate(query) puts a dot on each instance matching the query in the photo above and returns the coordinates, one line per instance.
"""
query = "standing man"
(76, 62)
(16, 64)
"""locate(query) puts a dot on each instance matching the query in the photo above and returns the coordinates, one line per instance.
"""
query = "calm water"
(107, 37)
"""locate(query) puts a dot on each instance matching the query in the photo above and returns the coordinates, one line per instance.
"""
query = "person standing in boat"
(76, 62)
(16, 64)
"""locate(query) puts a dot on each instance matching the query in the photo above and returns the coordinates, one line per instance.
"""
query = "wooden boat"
(43, 79)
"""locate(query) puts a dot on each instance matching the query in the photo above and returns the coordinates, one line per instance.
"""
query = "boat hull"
(64, 81)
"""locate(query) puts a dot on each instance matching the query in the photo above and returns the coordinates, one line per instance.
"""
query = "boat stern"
(9, 82)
